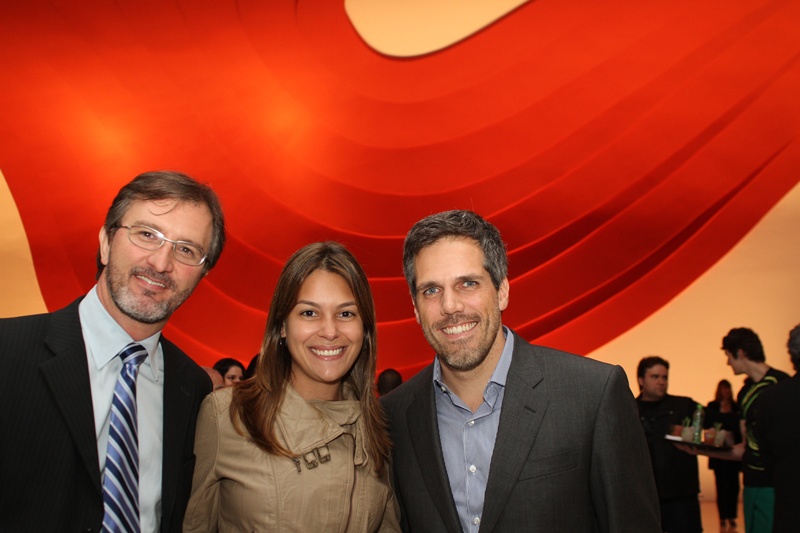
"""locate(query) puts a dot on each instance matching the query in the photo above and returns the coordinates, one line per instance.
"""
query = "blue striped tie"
(121, 480)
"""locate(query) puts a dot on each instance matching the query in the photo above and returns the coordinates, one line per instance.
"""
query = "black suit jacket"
(569, 455)
(49, 474)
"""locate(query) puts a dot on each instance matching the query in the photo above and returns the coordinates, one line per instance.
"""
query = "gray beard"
(146, 312)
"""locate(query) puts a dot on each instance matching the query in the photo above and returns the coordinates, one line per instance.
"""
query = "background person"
(163, 233)
(724, 413)
(302, 446)
(676, 474)
(388, 380)
(250, 371)
(745, 355)
(231, 370)
(777, 431)
(216, 378)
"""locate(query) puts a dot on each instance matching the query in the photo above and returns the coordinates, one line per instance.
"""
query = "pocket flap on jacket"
(552, 464)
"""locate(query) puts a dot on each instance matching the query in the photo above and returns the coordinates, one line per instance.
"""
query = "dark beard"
(462, 358)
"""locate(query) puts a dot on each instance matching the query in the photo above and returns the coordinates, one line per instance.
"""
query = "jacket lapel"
(424, 432)
(177, 417)
(522, 413)
(67, 376)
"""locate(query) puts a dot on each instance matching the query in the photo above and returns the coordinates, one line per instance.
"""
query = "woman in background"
(302, 446)
(230, 369)
(725, 412)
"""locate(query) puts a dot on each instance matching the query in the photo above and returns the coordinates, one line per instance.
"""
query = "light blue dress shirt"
(467, 438)
(104, 338)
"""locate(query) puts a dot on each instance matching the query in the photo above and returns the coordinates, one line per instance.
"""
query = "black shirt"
(755, 472)
(675, 471)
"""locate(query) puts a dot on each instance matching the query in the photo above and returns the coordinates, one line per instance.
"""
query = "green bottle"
(697, 424)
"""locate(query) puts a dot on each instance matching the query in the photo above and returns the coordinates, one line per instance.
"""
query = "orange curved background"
(622, 148)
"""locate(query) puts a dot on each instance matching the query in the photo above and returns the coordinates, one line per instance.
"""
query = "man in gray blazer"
(58, 371)
(498, 434)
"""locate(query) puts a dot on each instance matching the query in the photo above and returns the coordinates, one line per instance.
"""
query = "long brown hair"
(256, 401)
(724, 384)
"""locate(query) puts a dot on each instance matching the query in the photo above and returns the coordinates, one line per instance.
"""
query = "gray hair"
(456, 224)
(160, 185)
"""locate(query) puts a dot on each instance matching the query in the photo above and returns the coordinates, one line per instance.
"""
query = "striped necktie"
(121, 480)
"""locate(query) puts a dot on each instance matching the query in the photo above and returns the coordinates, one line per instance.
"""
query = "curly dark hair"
(744, 339)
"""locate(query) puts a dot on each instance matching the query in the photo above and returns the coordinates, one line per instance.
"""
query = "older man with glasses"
(98, 421)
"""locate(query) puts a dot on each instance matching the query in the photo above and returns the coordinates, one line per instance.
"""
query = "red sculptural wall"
(621, 147)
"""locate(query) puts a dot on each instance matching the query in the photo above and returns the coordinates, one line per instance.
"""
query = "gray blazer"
(570, 453)
(48, 449)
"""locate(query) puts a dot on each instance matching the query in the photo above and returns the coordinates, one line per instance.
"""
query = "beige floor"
(708, 510)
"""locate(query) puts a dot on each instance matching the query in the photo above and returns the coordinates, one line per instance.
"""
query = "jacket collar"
(522, 414)
(67, 376)
(305, 426)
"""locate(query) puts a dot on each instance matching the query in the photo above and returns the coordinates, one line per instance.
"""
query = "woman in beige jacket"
(302, 446)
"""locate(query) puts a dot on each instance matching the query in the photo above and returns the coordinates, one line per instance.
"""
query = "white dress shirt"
(104, 339)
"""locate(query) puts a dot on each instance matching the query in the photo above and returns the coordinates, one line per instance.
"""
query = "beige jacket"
(330, 486)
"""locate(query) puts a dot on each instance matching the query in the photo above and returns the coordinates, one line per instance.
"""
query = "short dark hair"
(648, 363)
(223, 365)
(456, 224)
(794, 347)
(164, 184)
(744, 339)
(388, 380)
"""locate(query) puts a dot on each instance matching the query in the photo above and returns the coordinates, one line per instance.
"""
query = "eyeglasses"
(152, 239)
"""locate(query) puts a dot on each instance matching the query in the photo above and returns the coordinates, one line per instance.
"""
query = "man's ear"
(502, 294)
(105, 245)
(416, 313)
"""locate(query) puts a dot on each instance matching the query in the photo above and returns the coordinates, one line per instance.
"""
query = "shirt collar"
(105, 338)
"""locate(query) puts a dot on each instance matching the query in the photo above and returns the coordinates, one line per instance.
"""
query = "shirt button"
(471, 422)
(472, 469)
(476, 520)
